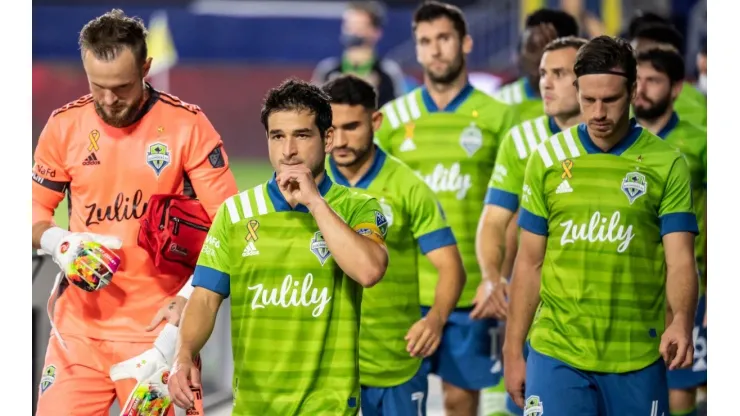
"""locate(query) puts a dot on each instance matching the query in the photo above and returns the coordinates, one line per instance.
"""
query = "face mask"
(352, 41)
(701, 84)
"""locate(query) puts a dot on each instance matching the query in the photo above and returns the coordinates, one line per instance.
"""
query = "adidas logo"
(250, 250)
(564, 187)
(407, 145)
(91, 160)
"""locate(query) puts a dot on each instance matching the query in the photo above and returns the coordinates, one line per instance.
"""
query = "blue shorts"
(554, 388)
(408, 399)
(468, 356)
(696, 376)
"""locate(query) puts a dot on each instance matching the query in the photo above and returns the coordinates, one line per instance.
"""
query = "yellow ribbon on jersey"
(252, 227)
(94, 136)
(567, 166)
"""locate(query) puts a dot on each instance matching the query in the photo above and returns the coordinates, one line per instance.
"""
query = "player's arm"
(524, 294)
(358, 247)
(678, 228)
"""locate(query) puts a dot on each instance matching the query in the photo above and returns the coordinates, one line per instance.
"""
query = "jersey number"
(419, 398)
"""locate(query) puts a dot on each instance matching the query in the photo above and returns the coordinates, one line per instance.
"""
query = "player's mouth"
(550, 97)
(342, 153)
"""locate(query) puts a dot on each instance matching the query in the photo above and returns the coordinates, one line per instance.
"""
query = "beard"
(654, 110)
(360, 154)
(123, 116)
(452, 72)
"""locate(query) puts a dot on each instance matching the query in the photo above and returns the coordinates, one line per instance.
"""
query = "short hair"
(351, 90)
(564, 23)
(645, 18)
(297, 95)
(603, 54)
(433, 10)
(107, 35)
(373, 9)
(660, 33)
(665, 60)
(566, 42)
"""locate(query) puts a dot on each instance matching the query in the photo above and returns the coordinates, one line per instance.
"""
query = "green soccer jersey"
(691, 105)
(295, 316)
(604, 214)
(523, 98)
(505, 186)
(416, 225)
(453, 150)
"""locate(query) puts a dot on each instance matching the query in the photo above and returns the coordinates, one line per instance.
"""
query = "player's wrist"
(51, 238)
(513, 348)
(316, 205)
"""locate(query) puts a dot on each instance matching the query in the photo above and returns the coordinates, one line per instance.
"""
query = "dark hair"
(107, 35)
(296, 95)
(433, 10)
(566, 42)
(564, 23)
(374, 10)
(351, 90)
(603, 54)
(666, 61)
(660, 33)
(645, 18)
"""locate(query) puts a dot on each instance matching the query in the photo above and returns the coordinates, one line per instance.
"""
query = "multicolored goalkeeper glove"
(150, 397)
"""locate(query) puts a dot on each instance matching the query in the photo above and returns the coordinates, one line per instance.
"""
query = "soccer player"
(393, 335)
(691, 104)
(448, 133)
(540, 28)
(560, 99)
(294, 253)
(600, 255)
(660, 78)
(109, 152)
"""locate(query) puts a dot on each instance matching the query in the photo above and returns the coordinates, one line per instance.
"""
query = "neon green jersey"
(604, 214)
(505, 186)
(453, 151)
(691, 105)
(520, 95)
(295, 316)
(416, 225)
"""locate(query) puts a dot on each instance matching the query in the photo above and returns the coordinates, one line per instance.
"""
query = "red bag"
(173, 231)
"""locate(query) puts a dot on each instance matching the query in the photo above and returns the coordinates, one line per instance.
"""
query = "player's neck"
(356, 171)
(443, 94)
(359, 56)
(566, 121)
(658, 123)
(606, 143)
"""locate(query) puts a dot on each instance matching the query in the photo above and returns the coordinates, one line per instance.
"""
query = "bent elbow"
(373, 273)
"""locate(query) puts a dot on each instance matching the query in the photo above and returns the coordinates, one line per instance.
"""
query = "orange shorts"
(76, 382)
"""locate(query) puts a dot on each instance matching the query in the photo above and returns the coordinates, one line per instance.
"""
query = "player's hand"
(424, 336)
(299, 183)
(85, 264)
(499, 300)
(483, 301)
(184, 374)
(515, 375)
(170, 313)
(676, 344)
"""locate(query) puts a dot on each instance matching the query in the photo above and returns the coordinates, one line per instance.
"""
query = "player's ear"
(676, 89)
(377, 118)
(147, 66)
(467, 44)
(328, 139)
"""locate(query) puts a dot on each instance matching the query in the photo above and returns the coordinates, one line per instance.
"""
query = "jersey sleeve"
(428, 222)
(676, 207)
(50, 178)
(533, 214)
(207, 166)
(369, 221)
(507, 178)
(212, 271)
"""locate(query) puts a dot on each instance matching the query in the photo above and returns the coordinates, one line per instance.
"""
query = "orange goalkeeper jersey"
(109, 174)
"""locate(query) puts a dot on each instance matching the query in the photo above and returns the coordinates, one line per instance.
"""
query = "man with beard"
(448, 133)
(393, 335)
(660, 78)
(607, 237)
(540, 28)
(109, 152)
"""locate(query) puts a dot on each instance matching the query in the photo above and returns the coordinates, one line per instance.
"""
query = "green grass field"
(248, 173)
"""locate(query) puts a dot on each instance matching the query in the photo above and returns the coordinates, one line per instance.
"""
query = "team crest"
(381, 222)
(634, 185)
(158, 157)
(319, 247)
(471, 139)
(533, 406)
(387, 211)
(48, 377)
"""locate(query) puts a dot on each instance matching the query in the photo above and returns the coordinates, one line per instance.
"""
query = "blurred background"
(223, 55)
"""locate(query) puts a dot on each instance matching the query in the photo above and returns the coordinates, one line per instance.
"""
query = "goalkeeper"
(88, 150)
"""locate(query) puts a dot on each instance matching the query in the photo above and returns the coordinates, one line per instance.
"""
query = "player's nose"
(289, 147)
(109, 98)
(340, 139)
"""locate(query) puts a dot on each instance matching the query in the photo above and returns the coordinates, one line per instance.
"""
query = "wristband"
(187, 290)
(51, 238)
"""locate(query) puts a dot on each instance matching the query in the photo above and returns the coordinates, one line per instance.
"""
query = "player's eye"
(276, 137)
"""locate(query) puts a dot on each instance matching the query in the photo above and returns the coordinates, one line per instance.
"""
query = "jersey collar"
(279, 202)
(632, 134)
(452, 106)
(367, 178)
(554, 128)
(668, 128)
